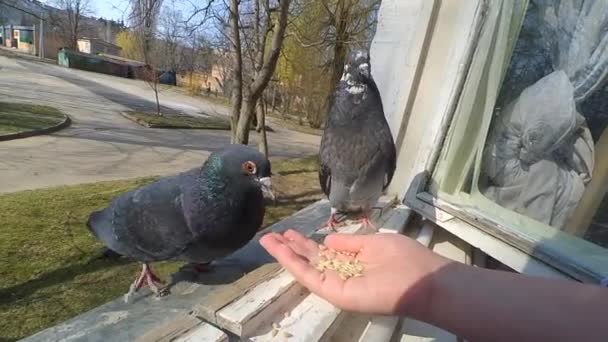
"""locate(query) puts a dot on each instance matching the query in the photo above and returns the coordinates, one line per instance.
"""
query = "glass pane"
(546, 154)
(26, 36)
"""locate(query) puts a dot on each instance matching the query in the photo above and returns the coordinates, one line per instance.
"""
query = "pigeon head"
(356, 70)
(245, 166)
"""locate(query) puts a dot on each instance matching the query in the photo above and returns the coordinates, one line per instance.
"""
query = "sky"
(110, 9)
(118, 9)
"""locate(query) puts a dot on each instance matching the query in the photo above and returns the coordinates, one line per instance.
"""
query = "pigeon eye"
(249, 167)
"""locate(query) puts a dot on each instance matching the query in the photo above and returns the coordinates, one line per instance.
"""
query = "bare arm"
(403, 277)
(487, 305)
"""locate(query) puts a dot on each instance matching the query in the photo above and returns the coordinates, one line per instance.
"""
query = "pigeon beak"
(266, 188)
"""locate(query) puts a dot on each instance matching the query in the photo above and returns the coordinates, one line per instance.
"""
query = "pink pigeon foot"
(153, 281)
(367, 223)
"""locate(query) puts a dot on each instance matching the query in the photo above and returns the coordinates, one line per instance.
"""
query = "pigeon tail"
(91, 222)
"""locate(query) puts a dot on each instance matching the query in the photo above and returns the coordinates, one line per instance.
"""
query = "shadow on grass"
(58, 276)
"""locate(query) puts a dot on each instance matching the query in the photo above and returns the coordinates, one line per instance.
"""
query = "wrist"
(446, 287)
(428, 293)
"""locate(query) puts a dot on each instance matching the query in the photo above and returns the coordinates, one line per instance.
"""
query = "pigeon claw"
(331, 224)
(367, 223)
(153, 281)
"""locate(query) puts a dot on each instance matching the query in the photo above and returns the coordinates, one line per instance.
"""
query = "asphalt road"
(101, 144)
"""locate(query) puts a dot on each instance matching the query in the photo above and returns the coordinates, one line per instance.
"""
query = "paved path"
(101, 144)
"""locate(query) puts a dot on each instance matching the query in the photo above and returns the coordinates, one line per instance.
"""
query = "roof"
(122, 60)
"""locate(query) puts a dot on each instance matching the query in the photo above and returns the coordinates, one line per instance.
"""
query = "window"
(526, 155)
(26, 36)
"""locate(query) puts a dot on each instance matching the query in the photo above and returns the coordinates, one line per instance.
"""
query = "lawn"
(295, 125)
(152, 120)
(17, 117)
(48, 272)
(276, 117)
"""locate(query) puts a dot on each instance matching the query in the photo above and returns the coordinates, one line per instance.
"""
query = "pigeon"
(197, 216)
(357, 153)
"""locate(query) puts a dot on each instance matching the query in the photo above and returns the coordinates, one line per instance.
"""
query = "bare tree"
(170, 33)
(237, 86)
(68, 19)
(265, 64)
(261, 29)
(144, 15)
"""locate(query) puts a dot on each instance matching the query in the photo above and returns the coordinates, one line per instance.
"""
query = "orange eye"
(249, 167)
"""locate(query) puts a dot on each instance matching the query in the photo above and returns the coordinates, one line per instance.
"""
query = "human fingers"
(300, 268)
(301, 244)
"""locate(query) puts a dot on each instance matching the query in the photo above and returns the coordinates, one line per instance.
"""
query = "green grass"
(47, 268)
(153, 120)
(17, 117)
(285, 122)
(294, 125)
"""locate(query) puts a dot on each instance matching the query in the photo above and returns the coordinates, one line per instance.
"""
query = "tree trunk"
(261, 114)
(237, 90)
(262, 78)
(244, 122)
(157, 101)
(286, 105)
(274, 98)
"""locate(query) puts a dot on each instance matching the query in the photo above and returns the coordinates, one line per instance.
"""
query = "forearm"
(486, 305)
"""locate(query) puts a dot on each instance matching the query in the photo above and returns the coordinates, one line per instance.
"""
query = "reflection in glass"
(546, 149)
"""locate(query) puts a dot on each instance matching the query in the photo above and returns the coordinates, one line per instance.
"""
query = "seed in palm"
(346, 269)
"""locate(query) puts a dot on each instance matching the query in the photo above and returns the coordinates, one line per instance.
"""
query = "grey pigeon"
(357, 152)
(197, 216)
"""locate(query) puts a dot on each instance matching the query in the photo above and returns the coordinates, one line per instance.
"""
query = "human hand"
(397, 275)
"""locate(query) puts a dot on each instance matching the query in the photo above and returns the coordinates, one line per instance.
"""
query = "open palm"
(397, 275)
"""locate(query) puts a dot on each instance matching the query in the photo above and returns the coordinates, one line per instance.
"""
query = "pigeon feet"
(153, 281)
(367, 223)
(331, 223)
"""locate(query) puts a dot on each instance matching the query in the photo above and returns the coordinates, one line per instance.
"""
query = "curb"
(136, 120)
(20, 135)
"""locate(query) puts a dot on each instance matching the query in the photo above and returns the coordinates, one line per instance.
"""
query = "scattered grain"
(345, 268)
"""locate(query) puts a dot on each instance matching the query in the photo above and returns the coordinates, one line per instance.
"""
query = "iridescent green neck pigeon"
(357, 152)
(197, 216)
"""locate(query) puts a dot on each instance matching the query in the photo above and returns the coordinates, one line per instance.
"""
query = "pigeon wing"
(147, 223)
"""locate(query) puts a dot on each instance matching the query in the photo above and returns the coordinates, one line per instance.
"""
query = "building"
(21, 38)
(96, 46)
